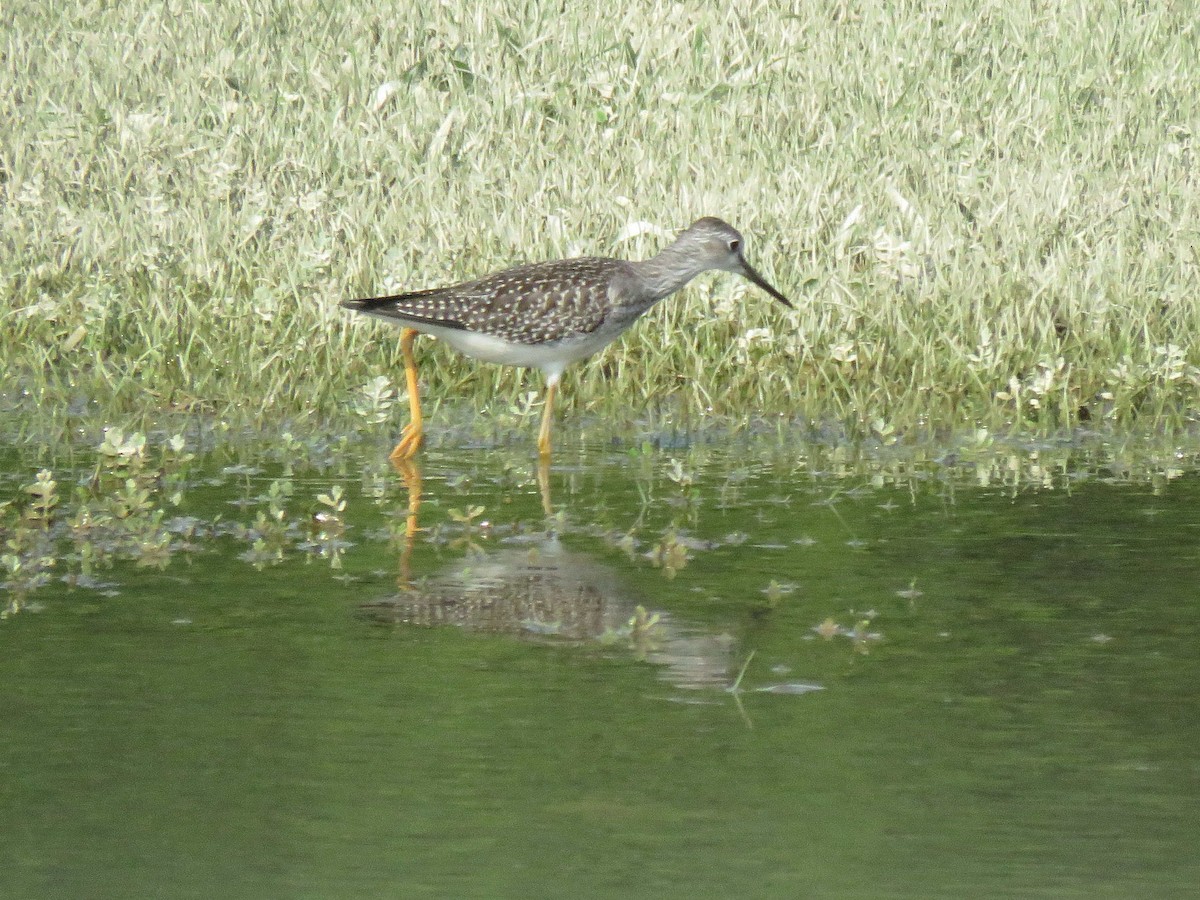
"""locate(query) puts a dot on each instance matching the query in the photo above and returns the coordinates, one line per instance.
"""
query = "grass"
(988, 215)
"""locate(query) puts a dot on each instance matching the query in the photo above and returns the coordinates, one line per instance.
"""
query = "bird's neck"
(666, 273)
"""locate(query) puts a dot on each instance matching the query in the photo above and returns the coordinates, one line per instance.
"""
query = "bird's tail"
(376, 304)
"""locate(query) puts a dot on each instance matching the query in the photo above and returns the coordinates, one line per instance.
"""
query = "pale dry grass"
(986, 214)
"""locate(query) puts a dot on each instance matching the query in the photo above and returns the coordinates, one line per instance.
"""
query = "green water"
(1005, 649)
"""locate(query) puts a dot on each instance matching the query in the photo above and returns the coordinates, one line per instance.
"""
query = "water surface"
(733, 671)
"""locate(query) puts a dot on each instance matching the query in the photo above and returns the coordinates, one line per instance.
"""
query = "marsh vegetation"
(988, 215)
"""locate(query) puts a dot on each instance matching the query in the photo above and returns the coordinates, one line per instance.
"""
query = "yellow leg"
(547, 416)
(410, 437)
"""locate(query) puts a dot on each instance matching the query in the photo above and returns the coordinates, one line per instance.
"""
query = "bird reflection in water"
(535, 588)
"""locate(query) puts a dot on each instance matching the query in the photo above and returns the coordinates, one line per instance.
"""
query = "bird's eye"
(734, 245)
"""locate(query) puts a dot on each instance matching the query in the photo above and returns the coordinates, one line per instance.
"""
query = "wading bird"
(548, 315)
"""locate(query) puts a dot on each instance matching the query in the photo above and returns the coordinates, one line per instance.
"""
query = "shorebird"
(547, 315)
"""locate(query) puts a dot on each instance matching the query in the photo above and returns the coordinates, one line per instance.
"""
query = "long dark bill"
(749, 272)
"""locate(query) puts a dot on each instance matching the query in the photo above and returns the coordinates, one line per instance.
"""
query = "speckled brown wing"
(532, 304)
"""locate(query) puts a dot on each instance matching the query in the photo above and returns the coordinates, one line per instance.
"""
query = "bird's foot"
(410, 441)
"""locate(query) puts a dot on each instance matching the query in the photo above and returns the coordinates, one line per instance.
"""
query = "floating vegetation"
(859, 634)
(670, 554)
(776, 591)
(644, 631)
(118, 513)
(828, 629)
(328, 526)
(273, 531)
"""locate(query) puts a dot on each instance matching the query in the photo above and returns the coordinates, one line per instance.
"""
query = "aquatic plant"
(27, 553)
(272, 532)
(642, 633)
(670, 554)
(328, 526)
